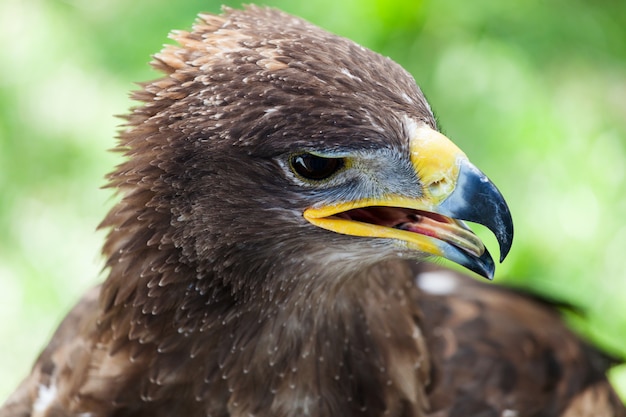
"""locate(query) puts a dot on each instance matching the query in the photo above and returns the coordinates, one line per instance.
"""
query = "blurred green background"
(533, 91)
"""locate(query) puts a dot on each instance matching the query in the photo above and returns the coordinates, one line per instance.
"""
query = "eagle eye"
(314, 167)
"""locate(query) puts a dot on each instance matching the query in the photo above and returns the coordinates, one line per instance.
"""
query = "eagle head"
(273, 152)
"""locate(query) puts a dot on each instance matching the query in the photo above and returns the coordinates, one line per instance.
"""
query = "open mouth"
(423, 231)
(434, 225)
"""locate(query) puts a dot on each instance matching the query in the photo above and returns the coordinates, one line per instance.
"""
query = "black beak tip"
(504, 230)
(482, 265)
(478, 200)
(485, 266)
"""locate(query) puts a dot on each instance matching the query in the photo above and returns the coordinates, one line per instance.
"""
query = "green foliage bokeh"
(534, 92)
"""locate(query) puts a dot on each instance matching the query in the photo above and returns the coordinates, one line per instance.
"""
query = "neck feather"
(353, 348)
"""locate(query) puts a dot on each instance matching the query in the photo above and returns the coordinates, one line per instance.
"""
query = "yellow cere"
(436, 161)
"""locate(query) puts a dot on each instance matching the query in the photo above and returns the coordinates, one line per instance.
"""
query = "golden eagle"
(281, 188)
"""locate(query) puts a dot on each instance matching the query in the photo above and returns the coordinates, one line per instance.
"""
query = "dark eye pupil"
(315, 167)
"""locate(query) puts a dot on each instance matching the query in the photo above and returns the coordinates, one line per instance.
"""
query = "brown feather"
(221, 302)
(494, 349)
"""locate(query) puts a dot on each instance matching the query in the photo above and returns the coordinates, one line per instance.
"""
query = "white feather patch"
(437, 282)
(45, 397)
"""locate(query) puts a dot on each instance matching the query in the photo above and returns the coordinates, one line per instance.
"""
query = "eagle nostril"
(439, 187)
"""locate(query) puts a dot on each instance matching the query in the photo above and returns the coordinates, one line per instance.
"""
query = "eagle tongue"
(416, 227)
(445, 229)
(425, 223)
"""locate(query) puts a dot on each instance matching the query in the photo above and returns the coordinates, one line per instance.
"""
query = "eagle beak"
(453, 191)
